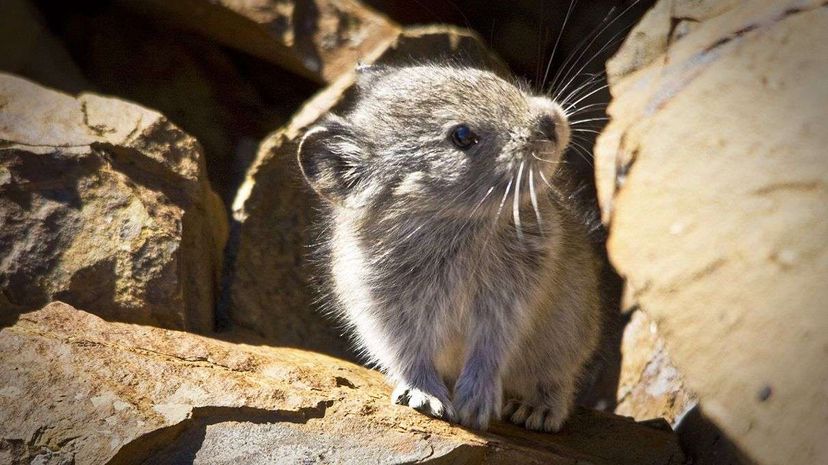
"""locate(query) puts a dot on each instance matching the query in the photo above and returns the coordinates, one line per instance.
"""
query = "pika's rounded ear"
(330, 158)
(367, 74)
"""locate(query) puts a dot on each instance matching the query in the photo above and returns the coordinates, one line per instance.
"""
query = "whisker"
(474, 210)
(488, 192)
(568, 64)
(516, 203)
(544, 160)
(584, 155)
(586, 85)
(505, 194)
(594, 37)
(572, 4)
(587, 96)
(611, 42)
(588, 120)
(534, 197)
(545, 180)
(592, 131)
(583, 89)
(585, 109)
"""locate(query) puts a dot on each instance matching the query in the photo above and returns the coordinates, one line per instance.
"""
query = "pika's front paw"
(433, 405)
(477, 402)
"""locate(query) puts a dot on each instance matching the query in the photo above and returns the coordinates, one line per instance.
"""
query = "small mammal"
(458, 265)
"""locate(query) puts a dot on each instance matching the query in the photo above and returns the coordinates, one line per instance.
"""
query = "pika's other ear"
(330, 159)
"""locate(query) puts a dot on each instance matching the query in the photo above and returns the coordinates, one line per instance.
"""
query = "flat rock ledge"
(76, 389)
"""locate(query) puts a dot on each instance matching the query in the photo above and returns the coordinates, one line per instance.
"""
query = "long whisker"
(568, 64)
(474, 210)
(588, 120)
(586, 96)
(557, 41)
(592, 131)
(584, 86)
(488, 192)
(516, 203)
(594, 38)
(544, 160)
(585, 155)
(505, 194)
(611, 42)
(585, 109)
(545, 180)
(534, 197)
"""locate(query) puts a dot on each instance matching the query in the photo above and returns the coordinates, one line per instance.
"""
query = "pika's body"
(449, 251)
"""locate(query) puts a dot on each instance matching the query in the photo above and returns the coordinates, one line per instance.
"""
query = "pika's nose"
(547, 128)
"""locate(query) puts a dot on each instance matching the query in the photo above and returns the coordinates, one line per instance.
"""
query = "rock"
(320, 39)
(195, 83)
(28, 49)
(268, 291)
(650, 386)
(712, 178)
(104, 204)
(77, 389)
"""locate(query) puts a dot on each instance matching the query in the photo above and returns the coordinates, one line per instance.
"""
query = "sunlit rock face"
(711, 176)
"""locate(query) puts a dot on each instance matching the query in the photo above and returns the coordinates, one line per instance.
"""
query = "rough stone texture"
(319, 39)
(712, 176)
(664, 23)
(104, 204)
(76, 389)
(28, 49)
(650, 385)
(199, 85)
(269, 291)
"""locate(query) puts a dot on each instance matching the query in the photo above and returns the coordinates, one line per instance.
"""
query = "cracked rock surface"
(77, 389)
(650, 386)
(712, 177)
(106, 205)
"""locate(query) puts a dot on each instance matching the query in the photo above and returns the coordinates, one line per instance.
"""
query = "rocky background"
(154, 300)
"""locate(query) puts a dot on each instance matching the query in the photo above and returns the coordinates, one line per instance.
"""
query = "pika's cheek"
(412, 184)
(450, 169)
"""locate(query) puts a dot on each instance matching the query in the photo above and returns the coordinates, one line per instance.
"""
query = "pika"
(449, 252)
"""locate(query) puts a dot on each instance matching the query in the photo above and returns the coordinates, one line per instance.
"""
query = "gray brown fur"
(475, 305)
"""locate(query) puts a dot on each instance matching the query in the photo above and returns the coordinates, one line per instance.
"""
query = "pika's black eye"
(463, 137)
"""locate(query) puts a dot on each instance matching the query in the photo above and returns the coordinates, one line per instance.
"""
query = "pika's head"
(436, 138)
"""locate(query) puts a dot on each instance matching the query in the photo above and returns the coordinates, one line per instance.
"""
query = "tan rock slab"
(77, 389)
(104, 204)
(319, 39)
(712, 176)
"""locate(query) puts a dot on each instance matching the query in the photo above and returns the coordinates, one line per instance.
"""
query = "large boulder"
(319, 39)
(268, 288)
(77, 389)
(712, 176)
(204, 88)
(104, 204)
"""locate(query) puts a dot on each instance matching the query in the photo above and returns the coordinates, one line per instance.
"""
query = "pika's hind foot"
(423, 402)
(549, 419)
